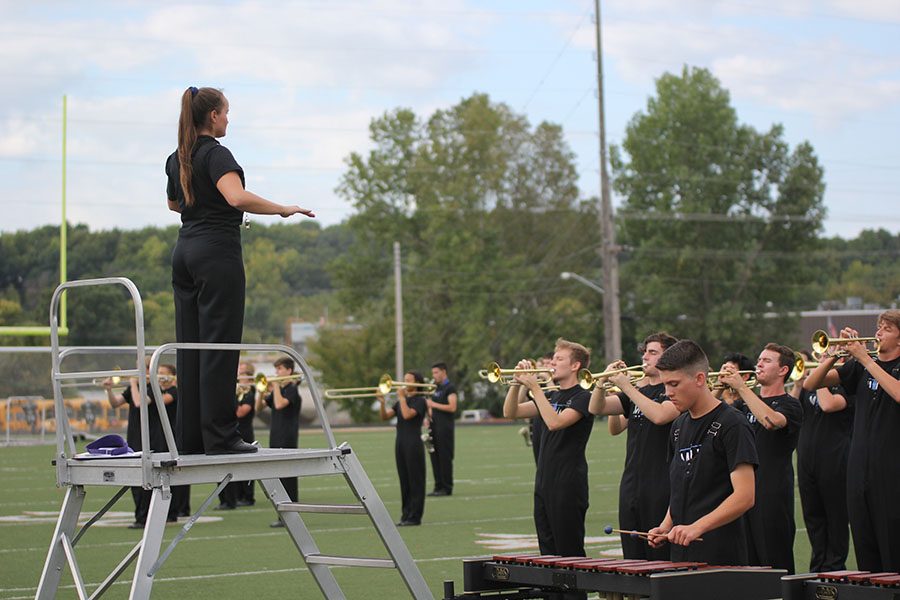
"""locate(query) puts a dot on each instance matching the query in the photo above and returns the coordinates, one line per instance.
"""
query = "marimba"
(528, 575)
(846, 585)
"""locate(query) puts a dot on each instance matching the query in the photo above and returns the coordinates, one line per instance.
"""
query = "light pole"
(580, 279)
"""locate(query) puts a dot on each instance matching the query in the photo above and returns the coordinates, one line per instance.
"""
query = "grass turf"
(240, 556)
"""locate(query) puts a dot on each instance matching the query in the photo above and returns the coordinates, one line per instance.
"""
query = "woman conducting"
(206, 186)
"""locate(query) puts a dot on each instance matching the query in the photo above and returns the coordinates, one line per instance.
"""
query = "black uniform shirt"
(562, 457)
(775, 446)
(705, 452)
(410, 429)
(157, 439)
(647, 450)
(824, 437)
(245, 423)
(285, 421)
(441, 395)
(875, 441)
(210, 210)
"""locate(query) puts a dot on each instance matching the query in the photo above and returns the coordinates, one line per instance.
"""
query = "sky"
(305, 78)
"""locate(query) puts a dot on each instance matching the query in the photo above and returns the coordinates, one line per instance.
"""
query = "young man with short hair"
(561, 479)
(644, 488)
(442, 412)
(775, 417)
(873, 471)
(711, 473)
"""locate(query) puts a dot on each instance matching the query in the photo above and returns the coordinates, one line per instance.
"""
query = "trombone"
(495, 374)
(261, 381)
(821, 342)
(385, 386)
(586, 379)
(713, 382)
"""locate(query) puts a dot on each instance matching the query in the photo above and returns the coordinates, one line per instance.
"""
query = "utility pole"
(398, 316)
(612, 332)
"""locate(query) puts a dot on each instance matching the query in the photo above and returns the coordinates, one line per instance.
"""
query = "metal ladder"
(159, 471)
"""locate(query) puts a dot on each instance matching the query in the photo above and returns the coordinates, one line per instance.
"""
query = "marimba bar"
(656, 580)
(843, 585)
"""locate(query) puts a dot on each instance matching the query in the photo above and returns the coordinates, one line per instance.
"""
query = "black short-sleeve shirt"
(705, 452)
(647, 449)
(410, 429)
(775, 446)
(157, 438)
(824, 437)
(875, 441)
(245, 423)
(562, 458)
(441, 395)
(210, 210)
(283, 431)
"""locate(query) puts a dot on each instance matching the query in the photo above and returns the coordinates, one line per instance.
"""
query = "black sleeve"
(792, 411)
(740, 445)
(172, 184)
(580, 402)
(291, 394)
(627, 404)
(126, 394)
(417, 403)
(849, 374)
(220, 162)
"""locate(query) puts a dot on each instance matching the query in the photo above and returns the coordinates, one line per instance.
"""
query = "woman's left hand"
(288, 211)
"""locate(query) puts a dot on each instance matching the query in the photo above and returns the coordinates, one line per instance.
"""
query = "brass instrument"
(118, 381)
(821, 342)
(586, 379)
(496, 374)
(800, 367)
(262, 381)
(386, 384)
(713, 382)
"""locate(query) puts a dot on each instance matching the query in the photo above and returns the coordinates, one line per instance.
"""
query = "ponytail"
(196, 104)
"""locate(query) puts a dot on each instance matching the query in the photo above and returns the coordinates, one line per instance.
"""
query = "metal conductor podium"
(159, 471)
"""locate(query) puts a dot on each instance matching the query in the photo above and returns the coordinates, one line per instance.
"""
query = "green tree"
(717, 218)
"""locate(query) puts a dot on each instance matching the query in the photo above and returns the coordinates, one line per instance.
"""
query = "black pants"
(771, 529)
(208, 281)
(559, 512)
(823, 496)
(442, 457)
(874, 521)
(142, 499)
(641, 511)
(410, 456)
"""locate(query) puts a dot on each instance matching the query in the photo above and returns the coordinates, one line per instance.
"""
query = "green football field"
(235, 554)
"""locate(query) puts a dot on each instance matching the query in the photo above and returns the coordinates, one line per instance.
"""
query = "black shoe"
(278, 523)
(224, 507)
(439, 493)
(244, 503)
(408, 523)
(184, 513)
(172, 519)
(236, 447)
(135, 525)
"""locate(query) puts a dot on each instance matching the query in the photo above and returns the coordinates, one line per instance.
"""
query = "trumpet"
(586, 379)
(261, 381)
(713, 382)
(495, 374)
(821, 342)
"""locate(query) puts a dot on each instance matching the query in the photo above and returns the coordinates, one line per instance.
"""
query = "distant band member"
(644, 488)
(775, 417)
(409, 451)
(822, 453)
(873, 471)
(561, 480)
(442, 411)
(240, 493)
(711, 474)
(738, 362)
(284, 401)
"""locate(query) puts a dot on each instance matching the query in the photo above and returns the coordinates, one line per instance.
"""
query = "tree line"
(718, 225)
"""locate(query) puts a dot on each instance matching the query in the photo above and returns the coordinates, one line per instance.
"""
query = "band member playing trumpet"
(561, 479)
(240, 493)
(409, 451)
(711, 473)
(873, 471)
(822, 473)
(644, 488)
(536, 425)
(284, 401)
(740, 363)
(775, 418)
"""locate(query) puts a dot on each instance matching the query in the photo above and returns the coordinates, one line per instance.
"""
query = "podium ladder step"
(350, 561)
(346, 509)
